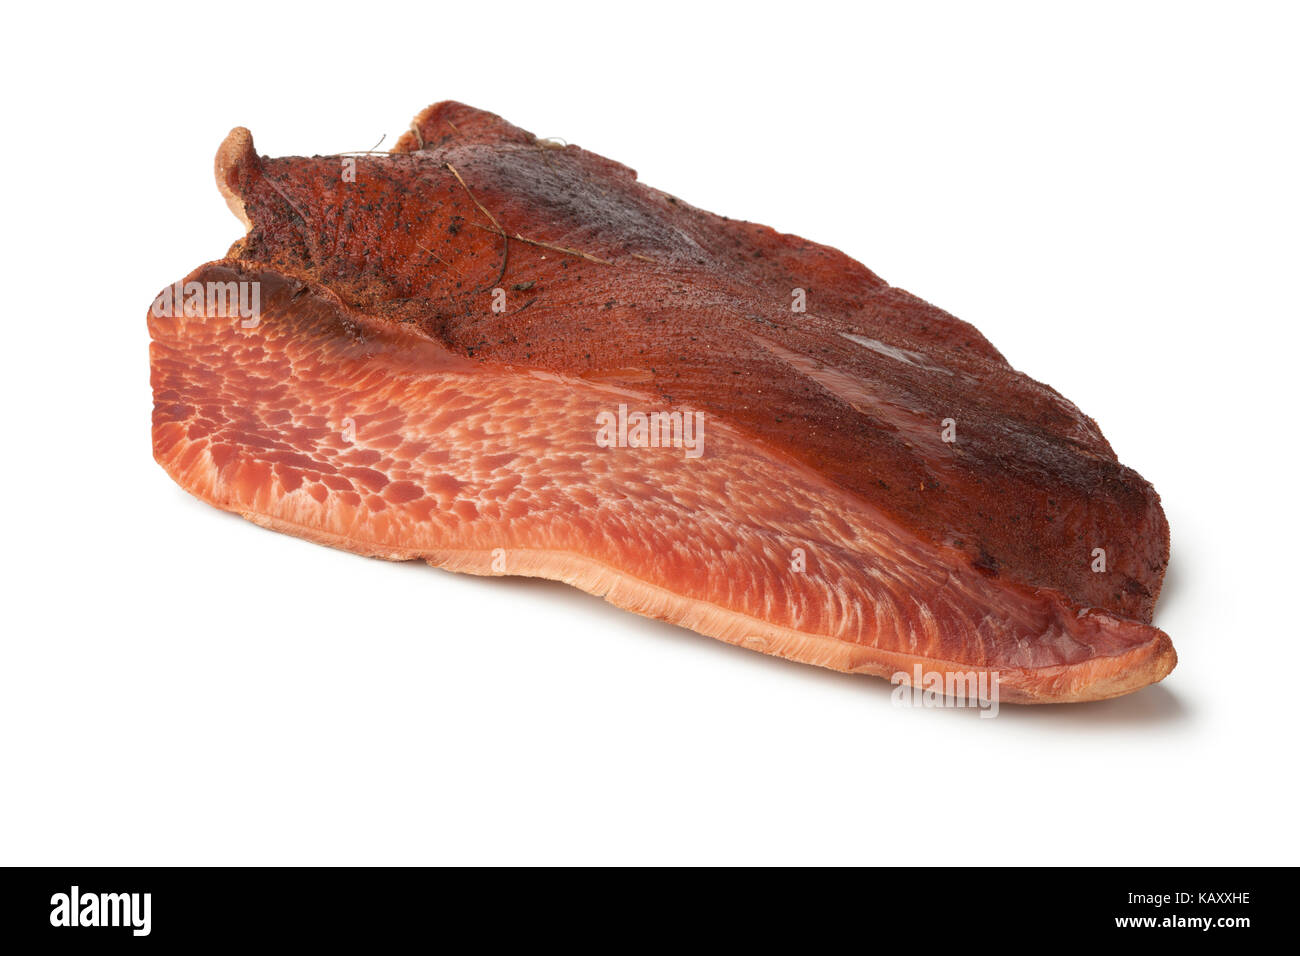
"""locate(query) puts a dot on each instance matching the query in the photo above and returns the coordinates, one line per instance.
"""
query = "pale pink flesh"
(496, 470)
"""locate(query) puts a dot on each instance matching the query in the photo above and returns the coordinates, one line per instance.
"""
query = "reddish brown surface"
(474, 429)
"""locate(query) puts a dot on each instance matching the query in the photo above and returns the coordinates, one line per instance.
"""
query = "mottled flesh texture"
(440, 328)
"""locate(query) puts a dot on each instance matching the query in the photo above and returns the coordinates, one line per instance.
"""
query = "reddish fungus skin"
(445, 298)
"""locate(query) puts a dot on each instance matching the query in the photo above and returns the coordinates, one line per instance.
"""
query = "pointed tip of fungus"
(235, 162)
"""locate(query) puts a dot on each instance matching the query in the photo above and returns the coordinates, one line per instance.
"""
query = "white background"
(1108, 192)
